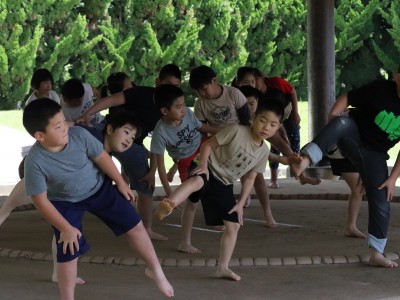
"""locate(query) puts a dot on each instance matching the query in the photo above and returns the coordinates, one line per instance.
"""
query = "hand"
(201, 169)
(85, 120)
(150, 179)
(69, 239)
(239, 210)
(126, 191)
(389, 184)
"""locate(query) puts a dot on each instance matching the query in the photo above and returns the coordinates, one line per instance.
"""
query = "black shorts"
(217, 200)
(342, 165)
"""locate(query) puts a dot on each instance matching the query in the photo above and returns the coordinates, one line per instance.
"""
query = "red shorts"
(184, 163)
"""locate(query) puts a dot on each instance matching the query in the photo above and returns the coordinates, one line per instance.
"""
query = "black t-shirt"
(377, 113)
(139, 100)
(273, 93)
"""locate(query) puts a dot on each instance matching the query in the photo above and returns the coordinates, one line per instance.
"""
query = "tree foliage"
(90, 39)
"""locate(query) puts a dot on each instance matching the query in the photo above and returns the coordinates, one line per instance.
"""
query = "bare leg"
(67, 278)
(187, 223)
(248, 200)
(274, 179)
(139, 241)
(261, 189)
(353, 206)
(379, 260)
(16, 198)
(145, 210)
(227, 246)
(54, 276)
(171, 172)
(180, 194)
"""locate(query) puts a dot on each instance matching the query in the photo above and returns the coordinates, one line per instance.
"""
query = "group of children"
(222, 141)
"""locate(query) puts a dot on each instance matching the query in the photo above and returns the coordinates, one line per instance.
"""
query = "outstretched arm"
(390, 183)
(295, 106)
(163, 174)
(205, 151)
(338, 107)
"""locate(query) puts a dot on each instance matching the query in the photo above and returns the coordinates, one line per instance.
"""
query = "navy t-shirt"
(139, 100)
(377, 113)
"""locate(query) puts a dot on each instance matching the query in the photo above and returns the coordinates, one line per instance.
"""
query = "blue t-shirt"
(180, 141)
(68, 175)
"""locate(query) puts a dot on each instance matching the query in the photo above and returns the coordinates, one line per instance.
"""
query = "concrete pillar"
(320, 62)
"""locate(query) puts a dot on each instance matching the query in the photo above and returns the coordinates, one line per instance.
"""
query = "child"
(139, 99)
(42, 83)
(178, 132)
(364, 137)
(234, 152)
(77, 97)
(54, 167)
(116, 137)
(221, 106)
(279, 87)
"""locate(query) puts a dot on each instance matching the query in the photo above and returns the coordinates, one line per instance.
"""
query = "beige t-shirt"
(221, 112)
(237, 154)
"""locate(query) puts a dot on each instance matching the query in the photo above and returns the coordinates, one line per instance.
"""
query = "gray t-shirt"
(180, 141)
(68, 175)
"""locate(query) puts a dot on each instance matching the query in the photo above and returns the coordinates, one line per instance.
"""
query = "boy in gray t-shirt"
(58, 157)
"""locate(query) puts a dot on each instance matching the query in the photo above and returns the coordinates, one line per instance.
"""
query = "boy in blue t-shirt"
(54, 169)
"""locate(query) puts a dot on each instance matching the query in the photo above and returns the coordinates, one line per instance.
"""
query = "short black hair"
(242, 72)
(120, 118)
(72, 89)
(37, 115)
(166, 94)
(39, 76)
(115, 82)
(170, 70)
(249, 91)
(257, 72)
(201, 76)
(272, 105)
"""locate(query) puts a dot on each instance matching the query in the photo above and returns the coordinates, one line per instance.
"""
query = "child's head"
(252, 95)
(116, 83)
(45, 121)
(267, 118)
(260, 84)
(72, 92)
(169, 74)
(170, 100)
(245, 76)
(204, 81)
(120, 131)
(42, 81)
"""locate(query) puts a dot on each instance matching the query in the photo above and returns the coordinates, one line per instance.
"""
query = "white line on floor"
(280, 224)
(195, 228)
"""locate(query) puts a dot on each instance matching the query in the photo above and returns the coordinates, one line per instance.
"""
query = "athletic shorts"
(108, 205)
(217, 200)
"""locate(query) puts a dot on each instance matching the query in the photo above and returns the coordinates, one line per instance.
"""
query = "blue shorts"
(108, 205)
(217, 199)
(135, 165)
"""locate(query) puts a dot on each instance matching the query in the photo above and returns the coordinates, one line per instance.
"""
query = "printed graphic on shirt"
(238, 164)
(221, 114)
(186, 136)
(389, 123)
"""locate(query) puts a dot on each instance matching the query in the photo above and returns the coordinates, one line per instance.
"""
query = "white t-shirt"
(52, 95)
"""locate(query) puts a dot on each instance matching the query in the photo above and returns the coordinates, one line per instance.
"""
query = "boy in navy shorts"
(234, 152)
(64, 175)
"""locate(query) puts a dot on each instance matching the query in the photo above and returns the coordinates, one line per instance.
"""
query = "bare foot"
(219, 228)
(247, 203)
(271, 224)
(273, 185)
(354, 233)
(164, 208)
(309, 180)
(188, 248)
(227, 273)
(78, 280)
(379, 260)
(162, 282)
(156, 236)
(298, 165)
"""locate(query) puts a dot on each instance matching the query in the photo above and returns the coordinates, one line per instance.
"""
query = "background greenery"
(90, 39)
(13, 119)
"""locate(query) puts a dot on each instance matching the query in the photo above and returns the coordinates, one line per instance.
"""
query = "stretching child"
(364, 137)
(234, 152)
(178, 133)
(117, 135)
(53, 171)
